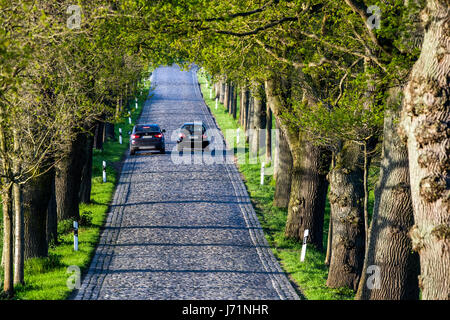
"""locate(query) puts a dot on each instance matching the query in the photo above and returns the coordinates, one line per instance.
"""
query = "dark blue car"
(147, 136)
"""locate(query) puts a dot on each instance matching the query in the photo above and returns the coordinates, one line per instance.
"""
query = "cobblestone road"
(181, 231)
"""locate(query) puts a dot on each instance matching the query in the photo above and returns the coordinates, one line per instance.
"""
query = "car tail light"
(158, 135)
(135, 136)
(205, 136)
(182, 135)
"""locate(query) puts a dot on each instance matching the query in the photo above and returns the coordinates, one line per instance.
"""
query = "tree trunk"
(249, 117)
(216, 90)
(8, 241)
(242, 107)
(245, 104)
(109, 131)
(389, 244)
(284, 173)
(258, 122)
(308, 193)
(222, 91)
(226, 96)
(86, 178)
(346, 200)
(268, 134)
(230, 98)
(425, 122)
(98, 135)
(68, 180)
(18, 218)
(118, 108)
(329, 241)
(36, 197)
(310, 165)
(18, 235)
(234, 101)
(52, 217)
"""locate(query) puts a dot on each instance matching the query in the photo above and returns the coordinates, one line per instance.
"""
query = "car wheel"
(132, 152)
(162, 151)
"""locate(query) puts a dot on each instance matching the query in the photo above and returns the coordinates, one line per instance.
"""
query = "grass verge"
(311, 275)
(46, 278)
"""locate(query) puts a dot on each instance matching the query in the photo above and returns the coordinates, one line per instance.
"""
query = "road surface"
(181, 231)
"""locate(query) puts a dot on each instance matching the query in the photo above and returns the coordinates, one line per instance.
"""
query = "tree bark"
(36, 197)
(216, 90)
(18, 235)
(234, 101)
(52, 217)
(226, 96)
(284, 173)
(86, 177)
(258, 122)
(230, 98)
(249, 117)
(389, 245)
(68, 180)
(425, 124)
(18, 218)
(222, 92)
(309, 187)
(329, 241)
(98, 135)
(8, 241)
(242, 111)
(109, 131)
(346, 200)
(268, 134)
(118, 107)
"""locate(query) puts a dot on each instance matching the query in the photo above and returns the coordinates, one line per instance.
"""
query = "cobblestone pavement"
(181, 231)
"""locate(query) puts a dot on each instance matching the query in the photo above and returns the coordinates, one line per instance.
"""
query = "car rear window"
(147, 128)
(191, 127)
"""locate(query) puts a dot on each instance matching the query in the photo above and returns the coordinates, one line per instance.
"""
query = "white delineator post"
(104, 171)
(210, 93)
(136, 100)
(120, 136)
(237, 135)
(129, 117)
(217, 102)
(262, 172)
(75, 236)
(305, 236)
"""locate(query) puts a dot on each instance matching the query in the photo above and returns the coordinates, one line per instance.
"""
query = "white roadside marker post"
(210, 93)
(237, 135)
(75, 236)
(217, 102)
(136, 100)
(104, 171)
(305, 236)
(262, 172)
(129, 117)
(120, 136)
